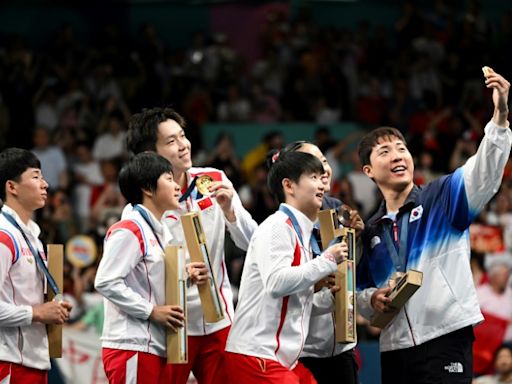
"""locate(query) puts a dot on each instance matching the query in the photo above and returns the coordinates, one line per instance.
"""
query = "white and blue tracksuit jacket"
(438, 245)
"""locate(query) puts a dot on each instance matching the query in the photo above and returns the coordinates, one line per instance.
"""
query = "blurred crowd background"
(71, 76)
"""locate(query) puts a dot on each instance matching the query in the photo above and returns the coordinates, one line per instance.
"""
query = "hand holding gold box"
(176, 294)
(56, 269)
(198, 251)
(345, 277)
(404, 288)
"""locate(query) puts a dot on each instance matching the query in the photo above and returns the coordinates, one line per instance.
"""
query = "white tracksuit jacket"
(214, 225)
(131, 277)
(276, 298)
(22, 286)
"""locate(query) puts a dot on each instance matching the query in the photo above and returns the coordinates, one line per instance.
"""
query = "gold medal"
(203, 183)
(58, 298)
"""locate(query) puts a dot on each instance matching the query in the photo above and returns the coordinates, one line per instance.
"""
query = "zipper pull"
(395, 231)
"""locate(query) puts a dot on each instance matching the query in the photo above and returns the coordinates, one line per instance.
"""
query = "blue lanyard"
(189, 190)
(400, 258)
(146, 218)
(37, 256)
(313, 242)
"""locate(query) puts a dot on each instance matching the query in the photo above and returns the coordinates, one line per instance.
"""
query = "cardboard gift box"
(176, 294)
(345, 299)
(56, 269)
(198, 251)
(404, 288)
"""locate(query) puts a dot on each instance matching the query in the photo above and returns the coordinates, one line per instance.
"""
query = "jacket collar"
(305, 224)
(154, 222)
(32, 228)
(410, 202)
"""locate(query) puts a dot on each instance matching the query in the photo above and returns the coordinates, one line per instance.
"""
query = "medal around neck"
(344, 217)
(203, 183)
(58, 298)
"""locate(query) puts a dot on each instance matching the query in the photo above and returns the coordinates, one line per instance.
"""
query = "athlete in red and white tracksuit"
(207, 340)
(22, 286)
(276, 300)
(131, 277)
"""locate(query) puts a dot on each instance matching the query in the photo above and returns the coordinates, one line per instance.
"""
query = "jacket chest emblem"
(416, 213)
(153, 242)
(205, 204)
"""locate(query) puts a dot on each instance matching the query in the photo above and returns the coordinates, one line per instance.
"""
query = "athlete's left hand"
(223, 192)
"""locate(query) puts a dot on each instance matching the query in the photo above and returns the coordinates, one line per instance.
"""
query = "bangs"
(313, 167)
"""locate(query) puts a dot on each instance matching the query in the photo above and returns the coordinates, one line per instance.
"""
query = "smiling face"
(391, 165)
(30, 191)
(167, 194)
(306, 195)
(315, 151)
(174, 146)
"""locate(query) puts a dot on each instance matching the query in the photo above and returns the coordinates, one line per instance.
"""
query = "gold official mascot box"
(404, 288)
(345, 299)
(198, 251)
(56, 269)
(176, 294)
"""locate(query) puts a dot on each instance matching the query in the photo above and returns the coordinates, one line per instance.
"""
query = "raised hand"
(500, 92)
(223, 193)
(351, 218)
(337, 252)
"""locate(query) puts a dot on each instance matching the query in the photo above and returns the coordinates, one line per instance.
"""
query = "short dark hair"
(142, 172)
(371, 139)
(143, 128)
(13, 162)
(289, 165)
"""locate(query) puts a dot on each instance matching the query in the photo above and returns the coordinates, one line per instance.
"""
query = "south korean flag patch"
(416, 213)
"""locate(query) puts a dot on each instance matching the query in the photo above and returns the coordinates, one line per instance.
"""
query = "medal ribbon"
(146, 218)
(189, 190)
(399, 258)
(313, 242)
(39, 260)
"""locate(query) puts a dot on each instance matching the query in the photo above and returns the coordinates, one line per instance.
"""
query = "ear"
(147, 193)
(367, 169)
(10, 188)
(287, 187)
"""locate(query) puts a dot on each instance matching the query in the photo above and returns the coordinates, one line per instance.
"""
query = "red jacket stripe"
(131, 226)
(284, 307)
(8, 241)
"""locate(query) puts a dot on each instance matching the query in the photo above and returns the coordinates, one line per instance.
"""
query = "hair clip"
(275, 156)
